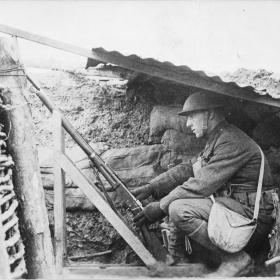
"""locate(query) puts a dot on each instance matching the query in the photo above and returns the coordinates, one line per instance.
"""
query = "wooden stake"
(59, 195)
(73, 258)
(33, 217)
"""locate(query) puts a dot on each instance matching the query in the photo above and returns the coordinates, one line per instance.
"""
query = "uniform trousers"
(189, 217)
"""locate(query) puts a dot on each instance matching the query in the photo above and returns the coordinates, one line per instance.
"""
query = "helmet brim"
(183, 113)
(186, 113)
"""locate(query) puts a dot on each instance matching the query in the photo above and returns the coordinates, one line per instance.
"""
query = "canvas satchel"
(229, 230)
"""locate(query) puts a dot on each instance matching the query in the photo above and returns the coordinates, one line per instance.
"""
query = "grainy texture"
(117, 113)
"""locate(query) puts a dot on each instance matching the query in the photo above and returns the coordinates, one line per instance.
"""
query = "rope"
(19, 67)
(8, 107)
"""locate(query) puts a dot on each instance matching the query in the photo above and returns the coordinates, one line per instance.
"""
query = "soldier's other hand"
(150, 214)
(142, 192)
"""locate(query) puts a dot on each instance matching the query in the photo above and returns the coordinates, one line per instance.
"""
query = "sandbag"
(182, 143)
(170, 159)
(133, 178)
(181, 147)
(138, 176)
(163, 118)
(74, 199)
(134, 166)
(129, 158)
(76, 154)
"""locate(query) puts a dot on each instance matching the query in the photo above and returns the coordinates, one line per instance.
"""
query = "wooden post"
(59, 194)
(27, 179)
(277, 269)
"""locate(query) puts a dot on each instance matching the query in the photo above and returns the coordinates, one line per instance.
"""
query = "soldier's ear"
(211, 114)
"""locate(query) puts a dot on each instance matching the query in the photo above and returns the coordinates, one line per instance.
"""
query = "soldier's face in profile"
(195, 122)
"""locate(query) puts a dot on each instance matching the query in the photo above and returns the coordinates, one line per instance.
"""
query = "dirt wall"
(117, 112)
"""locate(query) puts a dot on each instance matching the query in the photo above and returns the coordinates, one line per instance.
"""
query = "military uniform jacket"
(230, 159)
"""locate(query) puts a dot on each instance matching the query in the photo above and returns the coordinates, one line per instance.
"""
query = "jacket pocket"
(266, 202)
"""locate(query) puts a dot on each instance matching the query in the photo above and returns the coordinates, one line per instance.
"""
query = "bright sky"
(205, 35)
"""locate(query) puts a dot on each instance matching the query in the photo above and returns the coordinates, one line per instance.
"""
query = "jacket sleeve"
(167, 181)
(228, 157)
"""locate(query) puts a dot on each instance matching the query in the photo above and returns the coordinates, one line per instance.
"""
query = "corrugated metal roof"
(164, 70)
(184, 75)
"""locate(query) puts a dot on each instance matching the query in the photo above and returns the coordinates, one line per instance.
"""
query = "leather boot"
(236, 264)
(233, 264)
(176, 244)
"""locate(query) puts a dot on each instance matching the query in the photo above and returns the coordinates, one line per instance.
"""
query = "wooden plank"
(277, 269)
(59, 194)
(157, 69)
(122, 272)
(97, 199)
(272, 261)
(90, 255)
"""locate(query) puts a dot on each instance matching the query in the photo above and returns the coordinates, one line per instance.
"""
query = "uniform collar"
(217, 130)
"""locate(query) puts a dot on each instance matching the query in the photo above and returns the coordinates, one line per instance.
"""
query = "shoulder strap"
(259, 189)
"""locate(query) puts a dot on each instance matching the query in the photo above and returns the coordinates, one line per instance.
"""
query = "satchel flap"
(233, 218)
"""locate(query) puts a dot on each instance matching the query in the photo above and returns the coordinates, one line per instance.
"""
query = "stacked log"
(12, 245)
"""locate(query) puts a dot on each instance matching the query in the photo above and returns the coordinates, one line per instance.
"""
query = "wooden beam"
(33, 216)
(98, 254)
(124, 272)
(96, 198)
(59, 194)
(277, 269)
(154, 68)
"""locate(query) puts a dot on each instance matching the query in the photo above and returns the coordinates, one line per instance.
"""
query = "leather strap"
(259, 189)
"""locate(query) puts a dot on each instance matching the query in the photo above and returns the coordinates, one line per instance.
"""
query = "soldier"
(227, 168)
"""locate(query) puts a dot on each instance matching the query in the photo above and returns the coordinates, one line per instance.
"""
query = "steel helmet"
(200, 101)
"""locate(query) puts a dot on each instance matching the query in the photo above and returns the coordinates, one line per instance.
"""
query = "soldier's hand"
(150, 214)
(142, 192)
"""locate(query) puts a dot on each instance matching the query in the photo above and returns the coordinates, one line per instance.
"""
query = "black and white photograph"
(139, 139)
